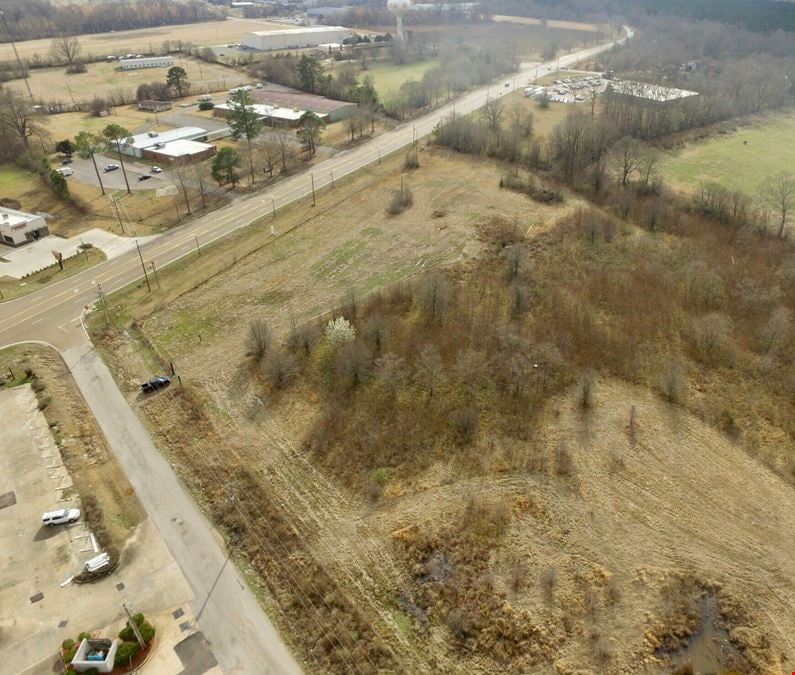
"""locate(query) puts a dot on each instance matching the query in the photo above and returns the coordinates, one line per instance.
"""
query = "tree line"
(42, 19)
(760, 15)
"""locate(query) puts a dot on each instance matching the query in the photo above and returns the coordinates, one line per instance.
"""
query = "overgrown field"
(551, 439)
(101, 79)
(740, 159)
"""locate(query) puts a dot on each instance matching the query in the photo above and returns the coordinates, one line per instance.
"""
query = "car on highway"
(146, 176)
(111, 167)
(156, 169)
(60, 517)
(155, 383)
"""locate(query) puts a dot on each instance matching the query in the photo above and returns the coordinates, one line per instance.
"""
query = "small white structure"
(136, 144)
(147, 62)
(294, 38)
(97, 654)
(18, 227)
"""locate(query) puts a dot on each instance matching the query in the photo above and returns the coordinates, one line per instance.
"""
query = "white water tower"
(399, 9)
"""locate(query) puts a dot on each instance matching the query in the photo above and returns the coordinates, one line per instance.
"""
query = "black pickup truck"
(155, 383)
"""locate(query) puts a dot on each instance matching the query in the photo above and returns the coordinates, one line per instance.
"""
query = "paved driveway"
(37, 255)
(36, 613)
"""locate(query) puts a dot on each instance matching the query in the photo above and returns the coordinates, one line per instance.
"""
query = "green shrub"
(206, 105)
(126, 651)
(127, 634)
(147, 631)
(83, 636)
(68, 650)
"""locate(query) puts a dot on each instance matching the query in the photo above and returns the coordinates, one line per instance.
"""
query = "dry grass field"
(52, 84)
(149, 39)
(617, 536)
(552, 23)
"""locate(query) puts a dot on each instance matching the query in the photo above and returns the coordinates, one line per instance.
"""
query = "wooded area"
(30, 19)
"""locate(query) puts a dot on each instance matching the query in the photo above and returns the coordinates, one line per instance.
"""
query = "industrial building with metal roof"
(294, 38)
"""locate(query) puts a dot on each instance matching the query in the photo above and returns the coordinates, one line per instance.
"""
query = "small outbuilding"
(154, 106)
(146, 62)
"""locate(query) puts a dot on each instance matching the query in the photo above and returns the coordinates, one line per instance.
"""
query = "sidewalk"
(38, 255)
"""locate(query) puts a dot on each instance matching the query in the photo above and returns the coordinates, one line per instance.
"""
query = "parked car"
(155, 383)
(66, 161)
(60, 517)
(111, 167)
(156, 169)
(65, 170)
(146, 176)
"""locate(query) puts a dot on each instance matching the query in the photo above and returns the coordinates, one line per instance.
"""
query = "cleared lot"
(149, 39)
(36, 614)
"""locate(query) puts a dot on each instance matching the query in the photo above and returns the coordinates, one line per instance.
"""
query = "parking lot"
(114, 180)
(38, 607)
(574, 89)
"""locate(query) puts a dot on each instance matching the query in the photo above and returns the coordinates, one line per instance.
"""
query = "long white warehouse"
(294, 38)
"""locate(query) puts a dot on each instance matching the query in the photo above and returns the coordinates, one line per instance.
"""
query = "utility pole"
(273, 206)
(23, 73)
(104, 303)
(198, 249)
(143, 267)
(154, 271)
(312, 176)
(332, 178)
(134, 626)
(118, 215)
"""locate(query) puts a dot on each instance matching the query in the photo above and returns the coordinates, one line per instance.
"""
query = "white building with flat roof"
(136, 144)
(294, 38)
(147, 62)
(18, 227)
(180, 152)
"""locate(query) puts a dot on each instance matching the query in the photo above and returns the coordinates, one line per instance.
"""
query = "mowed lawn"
(741, 160)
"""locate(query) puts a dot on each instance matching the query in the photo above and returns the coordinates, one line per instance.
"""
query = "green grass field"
(739, 160)
(14, 181)
(388, 76)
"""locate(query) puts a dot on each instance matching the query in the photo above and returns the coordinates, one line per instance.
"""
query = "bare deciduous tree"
(434, 297)
(778, 193)
(66, 48)
(201, 174)
(428, 369)
(492, 113)
(258, 340)
(182, 178)
(626, 156)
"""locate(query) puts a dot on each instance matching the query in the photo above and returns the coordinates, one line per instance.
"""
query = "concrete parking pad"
(36, 613)
(38, 254)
